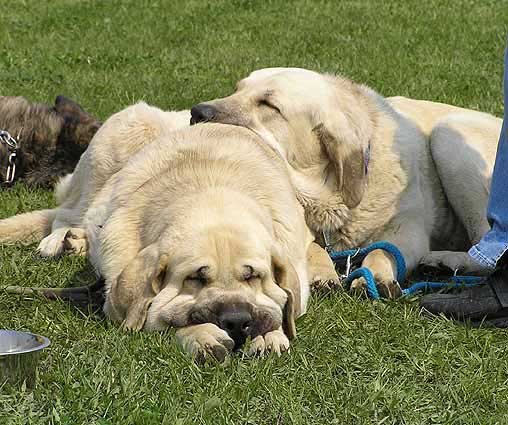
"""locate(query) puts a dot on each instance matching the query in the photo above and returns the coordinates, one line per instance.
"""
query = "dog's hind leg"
(453, 261)
(64, 240)
(53, 244)
(463, 148)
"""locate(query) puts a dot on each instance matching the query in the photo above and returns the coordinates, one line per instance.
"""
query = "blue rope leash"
(356, 256)
(361, 253)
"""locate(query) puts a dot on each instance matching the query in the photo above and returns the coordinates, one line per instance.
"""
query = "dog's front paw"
(387, 289)
(204, 341)
(359, 287)
(75, 242)
(53, 244)
(272, 342)
(326, 282)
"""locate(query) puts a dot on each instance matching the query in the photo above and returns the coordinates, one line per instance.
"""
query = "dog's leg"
(466, 182)
(384, 269)
(453, 261)
(413, 242)
(321, 269)
(466, 179)
(53, 245)
(204, 340)
(28, 227)
(272, 342)
(64, 240)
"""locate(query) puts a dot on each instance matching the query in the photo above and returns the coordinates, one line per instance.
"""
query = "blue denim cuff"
(479, 258)
(488, 254)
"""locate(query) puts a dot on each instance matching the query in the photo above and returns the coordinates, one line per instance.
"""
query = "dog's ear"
(69, 108)
(78, 126)
(131, 295)
(345, 136)
(64, 105)
(285, 276)
(348, 156)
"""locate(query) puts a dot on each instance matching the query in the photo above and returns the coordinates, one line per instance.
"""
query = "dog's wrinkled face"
(312, 120)
(226, 280)
(221, 275)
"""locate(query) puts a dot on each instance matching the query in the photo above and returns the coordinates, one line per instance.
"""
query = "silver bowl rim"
(45, 343)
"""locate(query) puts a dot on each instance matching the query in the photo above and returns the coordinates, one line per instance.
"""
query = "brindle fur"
(51, 138)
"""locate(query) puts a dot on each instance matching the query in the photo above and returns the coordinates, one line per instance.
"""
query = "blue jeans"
(495, 242)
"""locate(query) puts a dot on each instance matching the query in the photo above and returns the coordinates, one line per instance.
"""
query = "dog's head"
(45, 134)
(318, 123)
(232, 276)
(78, 126)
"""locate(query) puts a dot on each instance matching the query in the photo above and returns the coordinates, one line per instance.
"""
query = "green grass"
(354, 362)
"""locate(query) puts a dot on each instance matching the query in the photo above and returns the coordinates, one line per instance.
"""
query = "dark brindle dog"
(50, 139)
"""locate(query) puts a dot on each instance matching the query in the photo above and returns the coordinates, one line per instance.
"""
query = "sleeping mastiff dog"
(365, 168)
(199, 230)
(202, 231)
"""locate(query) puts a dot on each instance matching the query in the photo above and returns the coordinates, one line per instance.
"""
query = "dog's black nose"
(202, 113)
(237, 321)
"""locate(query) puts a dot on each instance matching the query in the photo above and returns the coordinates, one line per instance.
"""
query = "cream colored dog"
(200, 230)
(366, 168)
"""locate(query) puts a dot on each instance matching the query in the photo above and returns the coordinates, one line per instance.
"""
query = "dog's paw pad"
(75, 242)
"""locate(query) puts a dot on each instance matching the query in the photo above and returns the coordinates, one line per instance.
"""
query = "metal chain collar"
(12, 146)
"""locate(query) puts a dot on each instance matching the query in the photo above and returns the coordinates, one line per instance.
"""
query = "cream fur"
(152, 204)
(428, 175)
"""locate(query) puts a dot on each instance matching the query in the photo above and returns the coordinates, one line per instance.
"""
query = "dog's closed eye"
(202, 275)
(249, 274)
(266, 103)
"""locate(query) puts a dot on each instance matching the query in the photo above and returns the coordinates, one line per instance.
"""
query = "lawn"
(354, 361)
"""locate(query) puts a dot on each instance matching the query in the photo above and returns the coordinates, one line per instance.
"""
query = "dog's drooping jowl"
(50, 139)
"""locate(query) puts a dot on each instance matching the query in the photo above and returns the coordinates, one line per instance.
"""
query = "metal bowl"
(19, 355)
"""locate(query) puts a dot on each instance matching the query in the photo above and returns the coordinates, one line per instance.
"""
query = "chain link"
(10, 141)
(12, 146)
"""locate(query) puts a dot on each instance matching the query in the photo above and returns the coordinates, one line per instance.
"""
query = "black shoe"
(487, 303)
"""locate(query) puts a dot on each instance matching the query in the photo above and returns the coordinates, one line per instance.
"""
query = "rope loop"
(354, 257)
